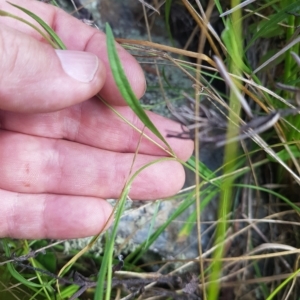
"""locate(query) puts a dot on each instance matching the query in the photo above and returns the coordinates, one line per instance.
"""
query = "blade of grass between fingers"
(124, 85)
(45, 26)
(131, 125)
(7, 14)
(130, 181)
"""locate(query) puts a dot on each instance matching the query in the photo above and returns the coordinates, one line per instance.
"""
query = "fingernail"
(79, 65)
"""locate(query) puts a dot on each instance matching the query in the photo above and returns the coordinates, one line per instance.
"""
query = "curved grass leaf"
(14, 273)
(281, 286)
(46, 27)
(47, 38)
(124, 85)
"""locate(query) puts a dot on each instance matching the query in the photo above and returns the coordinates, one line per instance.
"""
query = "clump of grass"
(253, 249)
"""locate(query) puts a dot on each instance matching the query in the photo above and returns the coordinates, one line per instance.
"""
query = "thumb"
(37, 78)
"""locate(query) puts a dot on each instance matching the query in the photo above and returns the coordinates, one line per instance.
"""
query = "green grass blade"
(284, 155)
(105, 273)
(167, 20)
(152, 222)
(124, 85)
(53, 2)
(273, 21)
(278, 195)
(285, 282)
(47, 38)
(15, 273)
(204, 172)
(46, 27)
(207, 196)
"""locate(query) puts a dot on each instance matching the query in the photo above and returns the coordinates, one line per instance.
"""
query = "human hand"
(61, 155)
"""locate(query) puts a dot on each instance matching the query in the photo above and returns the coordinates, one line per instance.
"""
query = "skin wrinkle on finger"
(37, 165)
(51, 216)
(26, 83)
(19, 222)
(11, 54)
(99, 127)
(71, 122)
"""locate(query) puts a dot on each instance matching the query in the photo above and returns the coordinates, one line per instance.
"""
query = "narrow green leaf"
(284, 283)
(273, 21)
(46, 37)
(53, 2)
(231, 41)
(68, 292)
(16, 274)
(285, 155)
(124, 85)
(105, 273)
(167, 20)
(154, 217)
(46, 27)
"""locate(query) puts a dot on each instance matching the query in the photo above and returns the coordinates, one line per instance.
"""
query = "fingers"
(86, 39)
(33, 71)
(42, 165)
(30, 216)
(92, 123)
